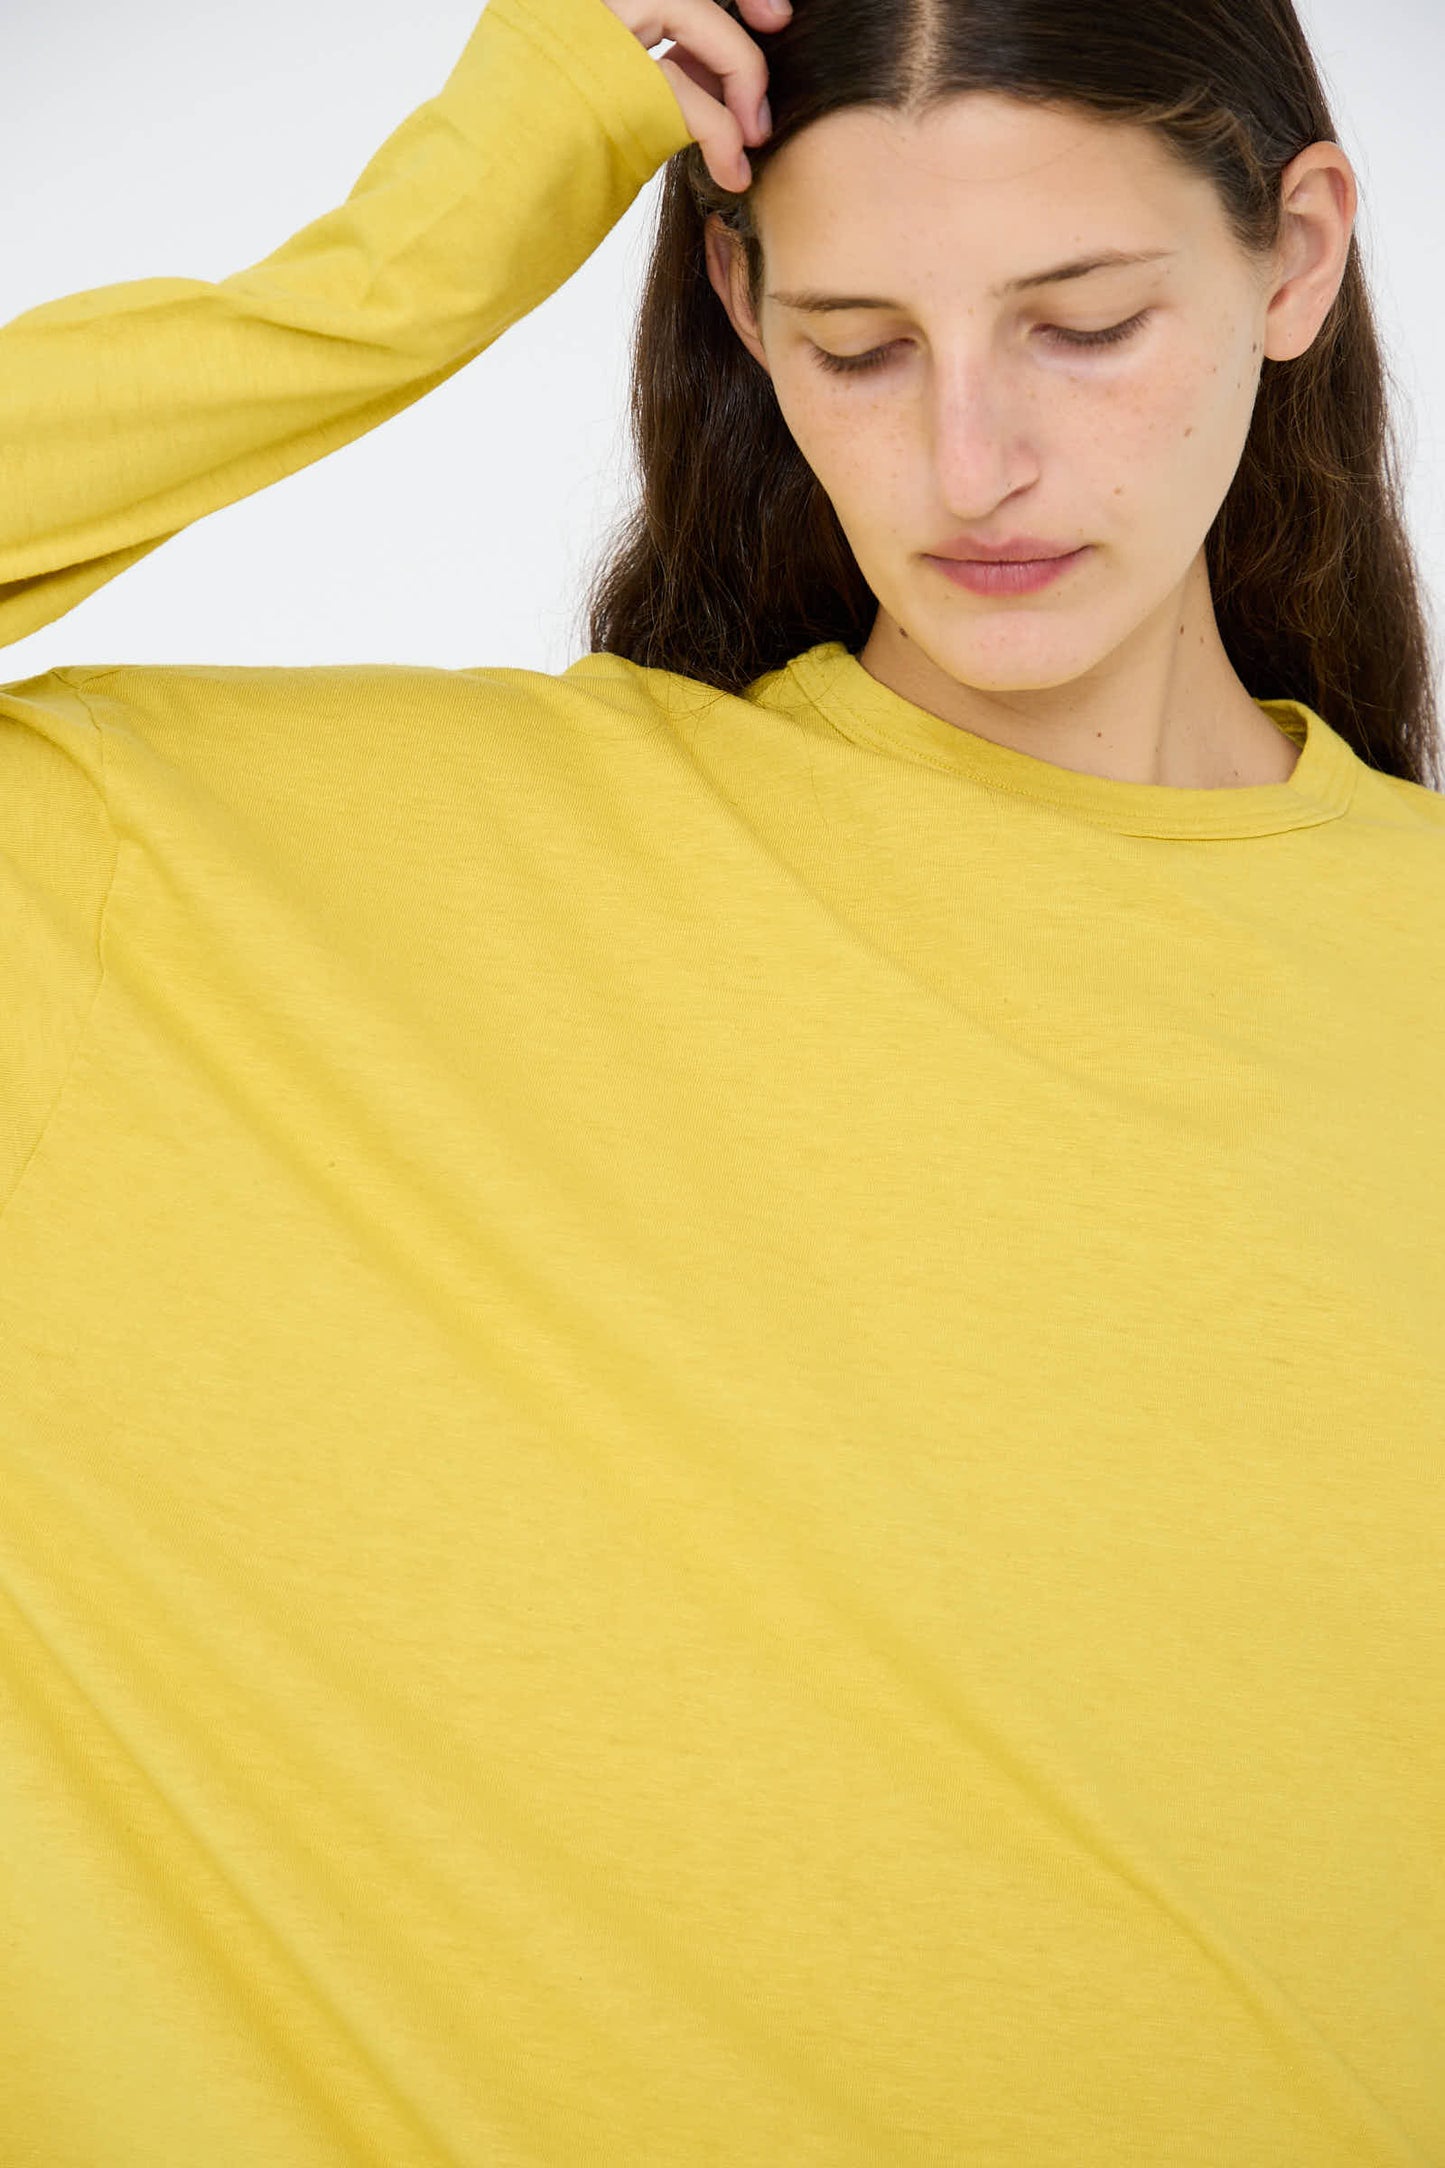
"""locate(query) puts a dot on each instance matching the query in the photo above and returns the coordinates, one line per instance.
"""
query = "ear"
(725, 269)
(1320, 201)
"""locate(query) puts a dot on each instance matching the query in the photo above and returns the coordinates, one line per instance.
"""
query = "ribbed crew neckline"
(853, 702)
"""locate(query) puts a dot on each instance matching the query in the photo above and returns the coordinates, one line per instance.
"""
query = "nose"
(980, 439)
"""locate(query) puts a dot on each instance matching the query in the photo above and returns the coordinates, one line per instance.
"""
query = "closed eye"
(850, 364)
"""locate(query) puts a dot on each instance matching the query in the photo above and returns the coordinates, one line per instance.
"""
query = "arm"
(129, 412)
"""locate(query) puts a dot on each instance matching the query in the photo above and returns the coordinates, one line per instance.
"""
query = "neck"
(1164, 707)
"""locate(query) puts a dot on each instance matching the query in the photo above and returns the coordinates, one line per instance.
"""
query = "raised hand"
(718, 74)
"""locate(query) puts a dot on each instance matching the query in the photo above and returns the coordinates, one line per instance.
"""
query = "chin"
(1012, 660)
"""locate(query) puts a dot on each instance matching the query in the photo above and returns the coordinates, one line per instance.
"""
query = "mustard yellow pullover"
(722, 1420)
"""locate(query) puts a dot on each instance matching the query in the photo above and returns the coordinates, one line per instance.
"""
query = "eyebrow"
(818, 303)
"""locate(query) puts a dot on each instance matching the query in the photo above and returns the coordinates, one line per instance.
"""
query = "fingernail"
(779, 7)
(765, 117)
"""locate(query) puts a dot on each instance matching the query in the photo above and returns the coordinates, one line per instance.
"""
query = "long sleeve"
(132, 410)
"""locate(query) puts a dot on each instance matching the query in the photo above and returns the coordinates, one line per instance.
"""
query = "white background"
(175, 138)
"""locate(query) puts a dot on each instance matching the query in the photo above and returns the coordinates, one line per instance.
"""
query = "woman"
(723, 1383)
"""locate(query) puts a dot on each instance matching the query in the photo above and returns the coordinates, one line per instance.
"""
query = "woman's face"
(987, 415)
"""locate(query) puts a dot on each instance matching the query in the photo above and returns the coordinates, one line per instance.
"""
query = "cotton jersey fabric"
(721, 1424)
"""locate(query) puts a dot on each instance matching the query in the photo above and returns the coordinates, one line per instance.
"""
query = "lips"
(1021, 549)
(1009, 576)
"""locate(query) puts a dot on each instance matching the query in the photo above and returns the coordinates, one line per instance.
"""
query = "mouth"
(1007, 575)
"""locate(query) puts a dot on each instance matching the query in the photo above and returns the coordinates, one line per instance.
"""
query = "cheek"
(1173, 438)
(845, 419)
(836, 435)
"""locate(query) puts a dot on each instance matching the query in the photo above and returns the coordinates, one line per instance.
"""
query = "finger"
(698, 71)
(713, 128)
(703, 75)
(762, 14)
(711, 35)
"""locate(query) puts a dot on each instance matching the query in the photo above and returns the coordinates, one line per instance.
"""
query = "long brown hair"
(731, 559)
